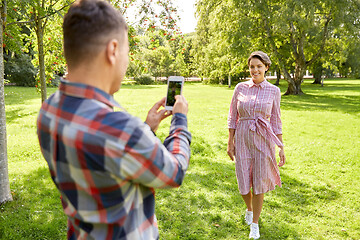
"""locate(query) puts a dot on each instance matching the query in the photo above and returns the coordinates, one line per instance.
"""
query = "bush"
(19, 70)
(144, 79)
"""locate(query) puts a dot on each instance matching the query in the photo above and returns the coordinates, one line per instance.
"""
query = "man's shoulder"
(86, 114)
(121, 120)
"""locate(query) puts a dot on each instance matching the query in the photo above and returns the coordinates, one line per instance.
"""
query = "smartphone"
(175, 86)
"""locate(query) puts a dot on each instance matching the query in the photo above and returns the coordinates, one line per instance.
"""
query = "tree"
(295, 32)
(159, 61)
(156, 52)
(42, 15)
(317, 70)
(5, 194)
(44, 18)
(219, 50)
(37, 14)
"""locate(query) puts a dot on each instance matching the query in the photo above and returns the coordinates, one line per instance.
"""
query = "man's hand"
(155, 116)
(181, 105)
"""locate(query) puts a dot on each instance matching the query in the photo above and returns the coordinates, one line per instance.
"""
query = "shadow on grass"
(312, 102)
(20, 95)
(35, 212)
(17, 114)
(209, 206)
(327, 98)
(295, 199)
(303, 194)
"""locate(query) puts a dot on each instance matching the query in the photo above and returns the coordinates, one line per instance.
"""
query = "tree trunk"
(40, 41)
(278, 76)
(317, 80)
(5, 194)
(317, 72)
(294, 87)
(300, 63)
(229, 80)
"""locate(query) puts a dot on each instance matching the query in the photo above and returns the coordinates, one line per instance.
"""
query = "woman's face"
(257, 69)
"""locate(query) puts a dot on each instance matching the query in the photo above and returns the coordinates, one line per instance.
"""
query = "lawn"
(321, 180)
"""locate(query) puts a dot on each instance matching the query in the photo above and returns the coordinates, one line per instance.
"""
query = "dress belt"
(263, 128)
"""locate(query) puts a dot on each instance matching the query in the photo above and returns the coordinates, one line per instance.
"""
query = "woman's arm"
(275, 121)
(231, 144)
(232, 121)
(281, 152)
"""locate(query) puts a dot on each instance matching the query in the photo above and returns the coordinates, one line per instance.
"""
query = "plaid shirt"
(106, 164)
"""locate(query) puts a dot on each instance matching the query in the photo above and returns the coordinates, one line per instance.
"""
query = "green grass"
(321, 182)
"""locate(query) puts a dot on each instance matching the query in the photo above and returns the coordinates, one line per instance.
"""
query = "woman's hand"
(231, 150)
(282, 157)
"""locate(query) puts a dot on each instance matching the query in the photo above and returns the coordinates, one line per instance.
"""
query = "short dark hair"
(87, 28)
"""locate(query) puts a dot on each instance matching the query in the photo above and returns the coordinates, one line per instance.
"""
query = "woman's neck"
(258, 81)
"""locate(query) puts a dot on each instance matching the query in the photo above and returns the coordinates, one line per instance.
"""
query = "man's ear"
(112, 51)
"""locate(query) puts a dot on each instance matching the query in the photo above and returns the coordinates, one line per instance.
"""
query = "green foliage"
(294, 33)
(158, 54)
(19, 70)
(159, 61)
(153, 17)
(144, 79)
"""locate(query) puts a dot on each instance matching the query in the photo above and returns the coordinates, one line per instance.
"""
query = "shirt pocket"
(241, 100)
(241, 97)
(268, 107)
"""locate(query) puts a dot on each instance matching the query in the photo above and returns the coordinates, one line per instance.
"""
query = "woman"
(254, 129)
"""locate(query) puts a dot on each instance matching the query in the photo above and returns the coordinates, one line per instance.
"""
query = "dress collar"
(81, 90)
(252, 84)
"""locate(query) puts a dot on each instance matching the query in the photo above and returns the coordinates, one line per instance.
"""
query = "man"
(106, 164)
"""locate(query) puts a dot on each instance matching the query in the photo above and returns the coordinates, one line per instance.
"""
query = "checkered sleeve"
(145, 160)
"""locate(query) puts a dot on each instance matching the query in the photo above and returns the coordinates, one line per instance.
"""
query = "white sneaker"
(254, 231)
(248, 217)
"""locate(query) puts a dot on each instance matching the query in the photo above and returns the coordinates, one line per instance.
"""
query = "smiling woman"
(254, 129)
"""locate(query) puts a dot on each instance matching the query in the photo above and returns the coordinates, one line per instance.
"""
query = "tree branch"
(24, 22)
(301, 47)
(292, 39)
(287, 76)
(209, 8)
(46, 16)
(325, 33)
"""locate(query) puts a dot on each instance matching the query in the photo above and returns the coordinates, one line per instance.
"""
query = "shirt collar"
(252, 84)
(81, 90)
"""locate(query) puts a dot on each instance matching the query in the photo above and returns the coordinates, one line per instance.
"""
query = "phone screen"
(173, 90)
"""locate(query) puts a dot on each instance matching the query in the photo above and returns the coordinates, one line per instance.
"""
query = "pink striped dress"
(255, 116)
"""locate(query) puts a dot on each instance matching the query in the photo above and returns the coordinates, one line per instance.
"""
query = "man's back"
(107, 163)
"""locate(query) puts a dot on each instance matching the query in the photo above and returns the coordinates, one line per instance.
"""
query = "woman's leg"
(248, 201)
(257, 203)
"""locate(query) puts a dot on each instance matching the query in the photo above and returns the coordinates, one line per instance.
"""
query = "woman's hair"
(263, 57)
(87, 27)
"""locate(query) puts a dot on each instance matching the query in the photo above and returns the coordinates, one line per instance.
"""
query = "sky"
(186, 10)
